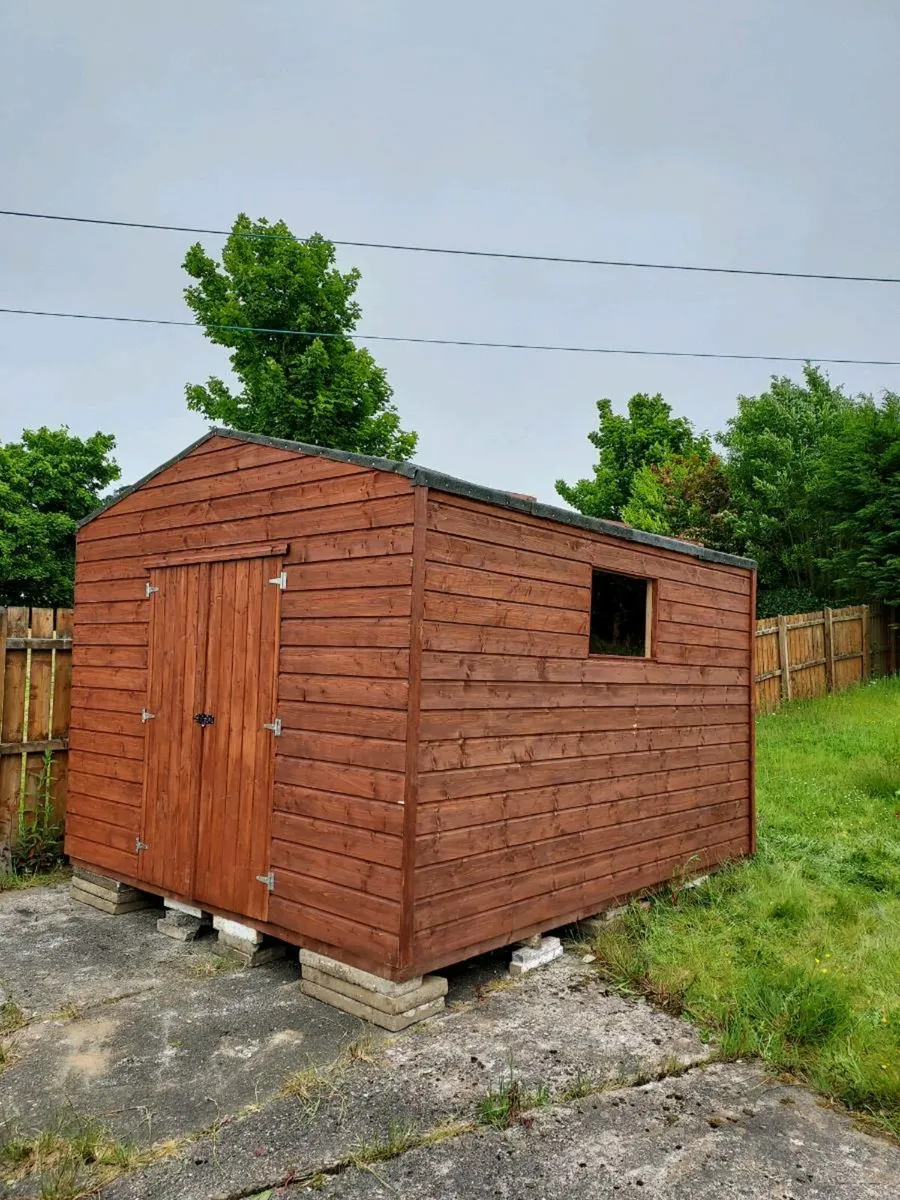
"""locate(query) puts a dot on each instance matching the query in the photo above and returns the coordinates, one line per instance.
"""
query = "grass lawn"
(795, 955)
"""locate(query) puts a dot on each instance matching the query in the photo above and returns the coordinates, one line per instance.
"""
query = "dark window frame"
(649, 624)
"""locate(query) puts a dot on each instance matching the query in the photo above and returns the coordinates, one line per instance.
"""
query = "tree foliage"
(859, 502)
(48, 481)
(319, 389)
(685, 496)
(776, 446)
(646, 436)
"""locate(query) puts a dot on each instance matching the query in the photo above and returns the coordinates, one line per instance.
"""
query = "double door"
(209, 758)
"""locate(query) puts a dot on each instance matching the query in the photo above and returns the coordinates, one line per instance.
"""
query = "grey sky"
(765, 134)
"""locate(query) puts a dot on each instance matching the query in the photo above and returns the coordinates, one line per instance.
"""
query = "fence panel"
(35, 677)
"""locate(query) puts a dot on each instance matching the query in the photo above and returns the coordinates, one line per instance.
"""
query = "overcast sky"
(764, 133)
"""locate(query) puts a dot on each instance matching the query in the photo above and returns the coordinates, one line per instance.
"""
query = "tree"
(859, 499)
(776, 444)
(48, 481)
(314, 386)
(645, 437)
(686, 496)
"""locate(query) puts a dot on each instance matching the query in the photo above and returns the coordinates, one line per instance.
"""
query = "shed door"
(209, 760)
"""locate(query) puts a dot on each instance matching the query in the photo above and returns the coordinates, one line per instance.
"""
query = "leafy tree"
(859, 499)
(776, 445)
(686, 496)
(48, 481)
(646, 436)
(319, 389)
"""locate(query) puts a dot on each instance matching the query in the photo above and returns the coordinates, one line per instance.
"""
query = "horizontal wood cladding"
(551, 779)
(614, 877)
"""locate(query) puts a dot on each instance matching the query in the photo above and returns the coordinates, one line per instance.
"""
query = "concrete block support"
(392, 1006)
(530, 956)
(107, 895)
(183, 922)
(245, 943)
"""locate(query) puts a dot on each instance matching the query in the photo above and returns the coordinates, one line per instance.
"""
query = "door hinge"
(280, 580)
(268, 880)
(139, 845)
(275, 726)
(150, 590)
(147, 716)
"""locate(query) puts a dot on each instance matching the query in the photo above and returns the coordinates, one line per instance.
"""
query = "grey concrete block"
(121, 896)
(527, 958)
(237, 931)
(111, 906)
(391, 1021)
(433, 987)
(248, 953)
(102, 881)
(182, 926)
(363, 979)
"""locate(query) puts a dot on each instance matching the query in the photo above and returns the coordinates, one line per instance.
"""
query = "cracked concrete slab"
(724, 1132)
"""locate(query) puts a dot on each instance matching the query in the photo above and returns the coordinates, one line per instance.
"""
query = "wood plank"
(335, 689)
(506, 560)
(119, 679)
(371, 784)
(445, 944)
(355, 661)
(444, 578)
(383, 724)
(106, 812)
(108, 766)
(221, 459)
(300, 498)
(785, 658)
(350, 749)
(111, 744)
(596, 669)
(480, 694)
(109, 657)
(372, 945)
(664, 811)
(340, 841)
(102, 832)
(705, 595)
(506, 614)
(340, 603)
(371, 632)
(564, 747)
(441, 724)
(107, 699)
(251, 527)
(552, 866)
(480, 810)
(703, 656)
(329, 896)
(354, 811)
(356, 543)
(685, 634)
(215, 554)
(477, 781)
(107, 858)
(315, 863)
(34, 747)
(490, 639)
(112, 634)
(477, 520)
(695, 614)
(389, 570)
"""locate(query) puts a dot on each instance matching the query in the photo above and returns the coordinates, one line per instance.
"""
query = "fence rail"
(35, 682)
(807, 654)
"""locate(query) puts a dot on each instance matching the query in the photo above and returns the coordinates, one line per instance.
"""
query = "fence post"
(866, 645)
(892, 640)
(785, 659)
(5, 843)
(828, 631)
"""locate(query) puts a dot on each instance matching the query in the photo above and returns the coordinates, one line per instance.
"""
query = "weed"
(505, 1105)
(38, 845)
(74, 1159)
(401, 1136)
(209, 966)
(11, 1017)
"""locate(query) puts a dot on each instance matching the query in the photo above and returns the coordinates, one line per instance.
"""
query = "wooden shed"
(394, 717)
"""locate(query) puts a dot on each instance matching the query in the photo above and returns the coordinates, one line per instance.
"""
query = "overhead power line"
(434, 341)
(457, 251)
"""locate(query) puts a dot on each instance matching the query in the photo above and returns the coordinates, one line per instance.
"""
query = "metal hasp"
(150, 590)
(204, 719)
(275, 726)
(268, 880)
(147, 716)
(280, 580)
(139, 845)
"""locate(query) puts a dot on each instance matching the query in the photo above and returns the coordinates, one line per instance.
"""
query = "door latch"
(268, 880)
(275, 726)
(204, 719)
(139, 845)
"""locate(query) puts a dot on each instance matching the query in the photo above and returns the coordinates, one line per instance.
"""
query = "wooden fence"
(807, 654)
(35, 678)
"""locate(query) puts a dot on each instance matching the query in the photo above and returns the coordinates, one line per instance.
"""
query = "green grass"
(795, 955)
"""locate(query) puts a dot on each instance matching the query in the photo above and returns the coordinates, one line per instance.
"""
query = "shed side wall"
(346, 618)
(551, 781)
